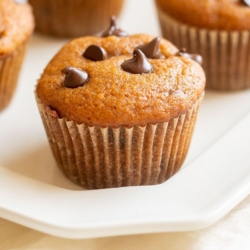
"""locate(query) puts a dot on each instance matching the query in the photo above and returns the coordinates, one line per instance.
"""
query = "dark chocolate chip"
(247, 2)
(138, 64)
(113, 29)
(195, 57)
(95, 53)
(151, 49)
(74, 77)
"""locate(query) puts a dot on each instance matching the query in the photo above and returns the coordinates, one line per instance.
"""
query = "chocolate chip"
(247, 2)
(74, 77)
(95, 53)
(195, 57)
(151, 49)
(113, 30)
(138, 64)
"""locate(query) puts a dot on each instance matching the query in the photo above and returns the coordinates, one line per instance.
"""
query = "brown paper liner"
(226, 54)
(67, 18)
(9, 71)
(97, 157)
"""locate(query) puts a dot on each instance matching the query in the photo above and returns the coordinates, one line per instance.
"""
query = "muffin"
(218, 30)
(16, 26)
(120, 110)
(67, 18)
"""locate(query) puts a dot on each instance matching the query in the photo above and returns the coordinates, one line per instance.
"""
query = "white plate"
(34, 193)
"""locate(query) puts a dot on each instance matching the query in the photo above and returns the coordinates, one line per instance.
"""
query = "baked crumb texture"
(114, 97)
(217, 15)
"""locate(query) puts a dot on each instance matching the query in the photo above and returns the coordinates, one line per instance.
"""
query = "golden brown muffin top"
(114, 97)
(16, 25)
(210, 14)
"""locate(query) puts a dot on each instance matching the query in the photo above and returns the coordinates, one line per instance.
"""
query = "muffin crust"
(114, 97)
(215, 14)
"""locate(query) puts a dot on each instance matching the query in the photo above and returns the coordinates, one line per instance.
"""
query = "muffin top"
(210, 14)
(16, 25)
(120, 86)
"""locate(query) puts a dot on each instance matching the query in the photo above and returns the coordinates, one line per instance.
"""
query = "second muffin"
(116, 118)
(218, 30)
(67, 18)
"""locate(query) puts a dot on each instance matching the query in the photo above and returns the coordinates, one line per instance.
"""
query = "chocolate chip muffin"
(218, 30)
(120, 111)
(16, 26)
(67, 18)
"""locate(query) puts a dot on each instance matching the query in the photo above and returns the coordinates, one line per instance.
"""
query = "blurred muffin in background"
(16, 26)
(67, 18)
(218, 30)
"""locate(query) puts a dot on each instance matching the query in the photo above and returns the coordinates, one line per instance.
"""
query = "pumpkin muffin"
(16, 26)
(67, 18)
(120, 111)
(218, 30)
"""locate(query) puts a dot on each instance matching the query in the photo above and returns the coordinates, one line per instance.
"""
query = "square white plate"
(34, 193)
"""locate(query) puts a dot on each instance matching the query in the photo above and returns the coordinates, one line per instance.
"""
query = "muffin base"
(10, 66)
(67, 18)
(97, 157)
(226, 54)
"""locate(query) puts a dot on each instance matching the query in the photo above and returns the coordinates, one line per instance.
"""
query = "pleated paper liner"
(226, 54)
(97, 157)
(9, 71)
(74, 18)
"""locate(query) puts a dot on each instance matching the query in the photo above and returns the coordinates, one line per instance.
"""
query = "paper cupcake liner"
(9, 71)
(76, 18)
(97, 157)
(226, 54)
